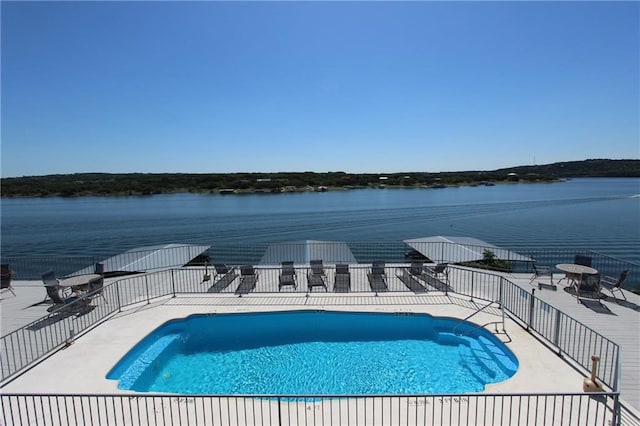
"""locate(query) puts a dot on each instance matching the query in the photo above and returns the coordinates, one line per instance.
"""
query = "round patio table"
(79, 282)
(575, 272)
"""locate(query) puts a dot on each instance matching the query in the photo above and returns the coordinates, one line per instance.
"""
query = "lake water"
(598, 214)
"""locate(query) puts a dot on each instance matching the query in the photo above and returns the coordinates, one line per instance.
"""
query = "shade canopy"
(302, 252)
(460, 249)
(150, 258)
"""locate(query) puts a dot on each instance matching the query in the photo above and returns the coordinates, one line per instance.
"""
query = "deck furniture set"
(74, 293)
(419, 277)
(584, 281)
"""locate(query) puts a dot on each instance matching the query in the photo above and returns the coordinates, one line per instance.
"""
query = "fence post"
(146, 286)
(473, 277)
(279, 412)
(556, 336)
(615, 416)
(71, 337)
(117, 284)
(447, 283)
(615, 420)
(531, 303)
(173, 283)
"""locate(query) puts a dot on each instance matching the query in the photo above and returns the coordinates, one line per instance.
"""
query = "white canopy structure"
(150, 258)
(302, 252)
(441, 249)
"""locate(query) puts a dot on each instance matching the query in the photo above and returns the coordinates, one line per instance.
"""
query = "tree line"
(79, 184)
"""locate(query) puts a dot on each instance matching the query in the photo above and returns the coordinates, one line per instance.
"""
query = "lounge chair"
(377, 277)
(439, 271)
(316, 276)
(417, 269)
(248, 280)
(612, 284)
(223, 277)
(316, 281)
(287, 276)
(377, 267)
(410, 280)
(221, 269)
(7, 273)
(317, 267)
(342, 282)
(438, 277)
(541, 271)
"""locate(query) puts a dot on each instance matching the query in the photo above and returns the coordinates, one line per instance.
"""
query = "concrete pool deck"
(82, 366)
(79, 370)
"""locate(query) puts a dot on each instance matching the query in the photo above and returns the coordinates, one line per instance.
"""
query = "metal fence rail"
(365, 410)
(31, 267)
(191, 280)
(569, 336)
(23, 347)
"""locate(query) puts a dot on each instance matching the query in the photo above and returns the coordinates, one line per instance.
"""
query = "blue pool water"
(315, 353)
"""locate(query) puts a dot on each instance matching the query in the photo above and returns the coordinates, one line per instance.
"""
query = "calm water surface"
(597, 214)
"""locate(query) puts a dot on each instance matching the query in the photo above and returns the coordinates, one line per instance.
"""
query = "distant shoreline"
(287, 190)
(109, 184)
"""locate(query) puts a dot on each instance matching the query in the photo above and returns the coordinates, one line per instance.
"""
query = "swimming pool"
(315, 353)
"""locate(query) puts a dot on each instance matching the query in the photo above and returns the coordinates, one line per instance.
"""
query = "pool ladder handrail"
(479, 326)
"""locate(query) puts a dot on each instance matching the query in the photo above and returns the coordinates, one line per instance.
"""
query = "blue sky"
(201, 87)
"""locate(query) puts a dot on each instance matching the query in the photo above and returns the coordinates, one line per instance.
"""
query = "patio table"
(574, 272)
(80, 282)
